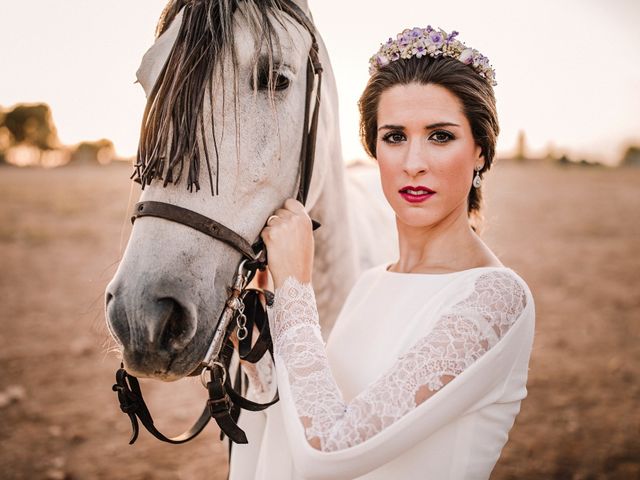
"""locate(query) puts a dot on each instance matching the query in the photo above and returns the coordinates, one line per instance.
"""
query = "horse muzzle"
(155, 332)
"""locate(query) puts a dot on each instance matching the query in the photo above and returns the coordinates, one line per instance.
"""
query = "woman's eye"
(393, 137)
(441, 136)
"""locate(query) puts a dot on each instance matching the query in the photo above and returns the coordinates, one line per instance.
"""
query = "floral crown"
(418, 42)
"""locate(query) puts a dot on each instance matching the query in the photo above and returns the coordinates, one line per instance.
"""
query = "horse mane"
(174, 110)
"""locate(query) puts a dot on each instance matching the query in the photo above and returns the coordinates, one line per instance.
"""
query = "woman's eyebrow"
(441, 124)
(391, 127)
(428, 127)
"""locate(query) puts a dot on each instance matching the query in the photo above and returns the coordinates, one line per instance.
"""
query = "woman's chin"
(416, 217)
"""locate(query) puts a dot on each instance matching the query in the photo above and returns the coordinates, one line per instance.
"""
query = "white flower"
(466, 56)
(382, 60)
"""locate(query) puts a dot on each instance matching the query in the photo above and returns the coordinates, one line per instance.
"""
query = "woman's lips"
(416, 194)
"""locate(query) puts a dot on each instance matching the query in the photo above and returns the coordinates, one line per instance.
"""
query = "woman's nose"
(416, 161)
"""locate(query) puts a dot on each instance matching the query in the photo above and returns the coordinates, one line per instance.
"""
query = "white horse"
(165, 299)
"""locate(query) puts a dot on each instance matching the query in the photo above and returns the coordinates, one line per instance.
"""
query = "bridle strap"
(223, 398)
(314, 69)
(132, 403)
(263, 343)
(308, 150)
(199, 222)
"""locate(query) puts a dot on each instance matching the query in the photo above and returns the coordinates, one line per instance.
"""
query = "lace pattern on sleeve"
(461, 335)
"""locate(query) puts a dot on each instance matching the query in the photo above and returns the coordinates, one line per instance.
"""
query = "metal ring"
(269, 219)
(202, 379)
(241, 269)
(208, 369)
(242, 333)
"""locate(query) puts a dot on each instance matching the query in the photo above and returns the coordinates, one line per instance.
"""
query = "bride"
(424, 371)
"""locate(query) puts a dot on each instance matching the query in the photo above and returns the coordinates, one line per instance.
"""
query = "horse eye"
(281, 82)
(276, 80)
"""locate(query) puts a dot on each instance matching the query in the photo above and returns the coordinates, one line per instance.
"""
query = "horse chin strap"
(224, 401)
(245, 305)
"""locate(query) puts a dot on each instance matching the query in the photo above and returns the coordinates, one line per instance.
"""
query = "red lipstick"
(416, 194)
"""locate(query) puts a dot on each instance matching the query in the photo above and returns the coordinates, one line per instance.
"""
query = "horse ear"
(156, 56)
(303, 4)
(169, 12)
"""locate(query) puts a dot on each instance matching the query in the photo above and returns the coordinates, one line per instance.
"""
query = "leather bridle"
(243, 304)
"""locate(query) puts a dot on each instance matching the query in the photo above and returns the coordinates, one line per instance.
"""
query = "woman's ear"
(479, 157)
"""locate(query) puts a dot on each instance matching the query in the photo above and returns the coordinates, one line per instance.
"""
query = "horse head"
(226, 83)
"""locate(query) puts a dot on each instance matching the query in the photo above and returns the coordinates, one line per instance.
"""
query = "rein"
(247, 306)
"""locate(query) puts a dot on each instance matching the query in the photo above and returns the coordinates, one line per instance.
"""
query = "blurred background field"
(562, 209)
(571, 231)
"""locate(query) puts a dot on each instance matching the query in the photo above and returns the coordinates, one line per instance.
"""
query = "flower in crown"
(418, 42)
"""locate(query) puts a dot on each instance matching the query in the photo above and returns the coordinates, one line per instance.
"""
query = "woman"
(424, 371)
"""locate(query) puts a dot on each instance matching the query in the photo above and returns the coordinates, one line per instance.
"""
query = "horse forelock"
(173, 116)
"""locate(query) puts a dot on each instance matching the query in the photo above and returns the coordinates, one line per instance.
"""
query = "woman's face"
(426, 154)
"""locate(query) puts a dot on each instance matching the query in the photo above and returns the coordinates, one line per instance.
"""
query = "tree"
(631, 158)
(521, 146)
(100, 152)
(32, 125)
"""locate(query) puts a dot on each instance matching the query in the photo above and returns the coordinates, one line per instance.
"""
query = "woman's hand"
(288, 237)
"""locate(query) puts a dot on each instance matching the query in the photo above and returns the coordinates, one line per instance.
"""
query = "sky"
(568, 71)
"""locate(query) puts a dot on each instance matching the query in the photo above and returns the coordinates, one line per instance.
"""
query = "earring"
(477, 181)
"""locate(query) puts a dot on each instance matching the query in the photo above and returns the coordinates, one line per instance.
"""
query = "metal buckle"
(208, 369)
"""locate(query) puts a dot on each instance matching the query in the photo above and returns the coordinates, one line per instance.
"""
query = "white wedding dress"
(421, 378)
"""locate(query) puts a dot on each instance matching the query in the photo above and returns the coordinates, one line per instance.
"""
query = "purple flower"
(481, 61)
(436, 38)
(404, 39)
(416, 32)
(419, 51)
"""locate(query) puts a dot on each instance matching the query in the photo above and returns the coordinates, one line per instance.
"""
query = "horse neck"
(335, 263)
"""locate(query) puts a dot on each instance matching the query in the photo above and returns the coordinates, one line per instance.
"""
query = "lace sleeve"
(461, 335)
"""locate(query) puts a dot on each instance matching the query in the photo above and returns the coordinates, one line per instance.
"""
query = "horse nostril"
(177, 326)
(117, 320)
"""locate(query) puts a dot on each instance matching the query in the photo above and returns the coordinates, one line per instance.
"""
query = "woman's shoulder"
(499, 275)
(497, 297)
(487, 290)
(498, 284)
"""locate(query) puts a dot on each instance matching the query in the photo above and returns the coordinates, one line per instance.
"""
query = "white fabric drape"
(422, 378)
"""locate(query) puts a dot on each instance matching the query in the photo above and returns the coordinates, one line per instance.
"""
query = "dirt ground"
(572, 232)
